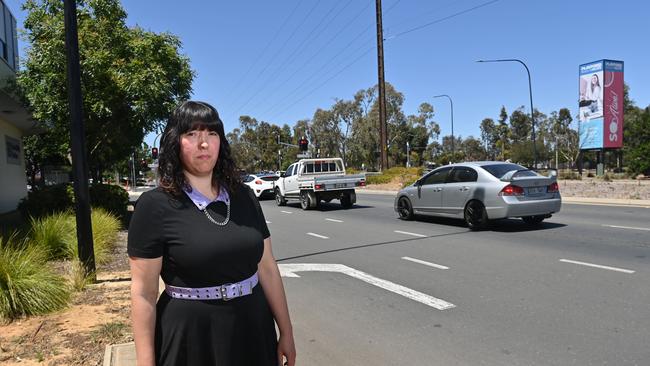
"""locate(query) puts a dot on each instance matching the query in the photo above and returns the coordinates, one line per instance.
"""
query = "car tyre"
(533, 220)
(404, 209)
(475, 215)
(305, 201)
(346, 201)
(279, 198)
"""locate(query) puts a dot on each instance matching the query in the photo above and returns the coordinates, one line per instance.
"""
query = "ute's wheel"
(533, 220)
(279, 198)
(346, 200)
(305, 203)
(475, 215)
(404, 209)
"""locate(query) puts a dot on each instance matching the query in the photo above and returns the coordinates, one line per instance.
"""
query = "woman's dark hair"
(189, 116)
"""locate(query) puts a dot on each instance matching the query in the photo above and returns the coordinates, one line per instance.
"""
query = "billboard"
(601, 105)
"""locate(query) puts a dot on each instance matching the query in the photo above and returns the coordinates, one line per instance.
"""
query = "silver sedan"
(479, 192)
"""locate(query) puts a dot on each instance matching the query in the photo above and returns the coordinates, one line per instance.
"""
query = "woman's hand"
(286, 350)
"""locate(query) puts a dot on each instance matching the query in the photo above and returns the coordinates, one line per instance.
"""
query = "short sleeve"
(145, 236)
(263, 228)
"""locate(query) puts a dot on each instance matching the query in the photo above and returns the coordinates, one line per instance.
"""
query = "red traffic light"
(154, 153)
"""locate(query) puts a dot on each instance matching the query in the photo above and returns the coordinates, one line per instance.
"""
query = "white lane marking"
(604, 204)
(290, 269)
(425, 263)
(628, 227)
(334, 220)
(413, 234)
(268, 222)
(318, 236)
(597, 266)
(287, 212)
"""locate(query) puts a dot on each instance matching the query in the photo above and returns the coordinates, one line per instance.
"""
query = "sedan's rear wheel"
(533, 220)
(475, 215)
(404, 209)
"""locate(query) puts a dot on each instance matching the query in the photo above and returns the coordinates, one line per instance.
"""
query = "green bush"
(27, 285)
(111, 198)
(41, 202)
(60, 198)
(54, 234)
(569, 175)
(378, 179)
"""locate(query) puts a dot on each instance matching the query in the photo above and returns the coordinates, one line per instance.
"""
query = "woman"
(205, 234)
(594, 95)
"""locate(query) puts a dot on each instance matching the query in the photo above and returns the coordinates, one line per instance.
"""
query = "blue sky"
(279, 61)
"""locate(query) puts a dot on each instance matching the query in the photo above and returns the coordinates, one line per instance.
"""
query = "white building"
(15, 121)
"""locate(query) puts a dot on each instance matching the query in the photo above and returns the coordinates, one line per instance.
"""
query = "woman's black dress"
(198, 253)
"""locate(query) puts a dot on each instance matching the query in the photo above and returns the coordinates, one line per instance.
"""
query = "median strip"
(318, 236)
(412, 234)
(425, 263)
(627, 227)
(597, 266)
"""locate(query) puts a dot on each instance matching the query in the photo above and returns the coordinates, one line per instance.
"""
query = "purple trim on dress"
(202, 201)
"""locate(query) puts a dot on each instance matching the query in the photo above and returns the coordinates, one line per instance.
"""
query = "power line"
(259, 56)
(443, 19)
(281, 48)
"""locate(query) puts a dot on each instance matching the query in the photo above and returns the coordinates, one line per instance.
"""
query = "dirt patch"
(78, 335)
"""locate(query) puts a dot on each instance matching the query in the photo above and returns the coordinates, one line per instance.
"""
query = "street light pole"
(530, 91)
(453, 139)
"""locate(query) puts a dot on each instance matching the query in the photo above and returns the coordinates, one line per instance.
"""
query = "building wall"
(13, 181)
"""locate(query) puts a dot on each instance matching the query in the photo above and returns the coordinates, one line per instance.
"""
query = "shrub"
(27, 285)
(105, 228)
(569, 175)
(54, 234)
(48, 200)
(111, 198)
(379, 179)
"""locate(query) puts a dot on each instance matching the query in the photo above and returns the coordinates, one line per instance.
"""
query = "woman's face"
(200, 151)
(594, 80)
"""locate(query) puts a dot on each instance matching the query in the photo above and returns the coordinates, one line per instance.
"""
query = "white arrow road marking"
(412, 234)
(333, 220)
(628, 227)
(318, 236)
(287, 212)
(425, 263)
(290, 269)
(597, 266)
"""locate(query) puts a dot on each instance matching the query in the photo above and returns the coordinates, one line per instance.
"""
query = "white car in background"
(261, 184)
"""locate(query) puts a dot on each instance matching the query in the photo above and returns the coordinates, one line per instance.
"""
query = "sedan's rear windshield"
(499, 170)
(270, 178)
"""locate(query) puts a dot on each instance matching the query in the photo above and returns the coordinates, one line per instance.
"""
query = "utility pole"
(383, 136)
(78, 143)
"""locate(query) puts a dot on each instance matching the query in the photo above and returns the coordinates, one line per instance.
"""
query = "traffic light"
(154, 153)
(303, 144)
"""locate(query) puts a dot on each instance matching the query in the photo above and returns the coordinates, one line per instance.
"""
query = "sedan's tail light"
(511, 190)
(258, 182)
(553, 188)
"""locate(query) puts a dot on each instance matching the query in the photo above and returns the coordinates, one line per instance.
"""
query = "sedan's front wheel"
(476, 216)
(404, 209)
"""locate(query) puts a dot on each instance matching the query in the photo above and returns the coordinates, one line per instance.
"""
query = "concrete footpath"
(124, 354)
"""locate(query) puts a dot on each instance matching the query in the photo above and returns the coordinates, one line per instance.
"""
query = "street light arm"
(451, 102)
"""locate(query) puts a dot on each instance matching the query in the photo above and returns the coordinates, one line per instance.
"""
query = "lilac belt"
(224, 292)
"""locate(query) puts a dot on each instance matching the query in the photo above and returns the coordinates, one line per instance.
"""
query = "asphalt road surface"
(366, 288)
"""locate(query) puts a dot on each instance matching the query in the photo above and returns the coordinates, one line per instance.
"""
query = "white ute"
(314, 180)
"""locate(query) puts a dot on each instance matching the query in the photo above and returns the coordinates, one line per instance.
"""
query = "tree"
(503, 133)
(489, 137)
(520, 125)
(131, 79)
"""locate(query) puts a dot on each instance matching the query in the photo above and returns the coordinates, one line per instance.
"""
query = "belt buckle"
(224, 291)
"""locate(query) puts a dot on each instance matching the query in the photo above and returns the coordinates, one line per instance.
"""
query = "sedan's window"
(436, 177)
(499, 170)
(462, 175)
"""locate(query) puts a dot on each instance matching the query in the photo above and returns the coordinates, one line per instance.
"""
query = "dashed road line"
(628, 227)
(268, 222)
(287, 212)
(333, 220)
(598, 266)
(318, 236)
(412, 234)
(425, 263)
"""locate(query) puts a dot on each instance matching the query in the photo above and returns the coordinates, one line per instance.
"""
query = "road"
(571, 292)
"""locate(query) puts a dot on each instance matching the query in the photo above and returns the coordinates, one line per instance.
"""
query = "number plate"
(339, 185)
(536, 190)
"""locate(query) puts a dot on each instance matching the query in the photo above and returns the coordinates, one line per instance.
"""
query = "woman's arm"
(144, 293)
(274, 290)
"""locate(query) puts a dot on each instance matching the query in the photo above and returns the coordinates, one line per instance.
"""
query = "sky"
(279, 61)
